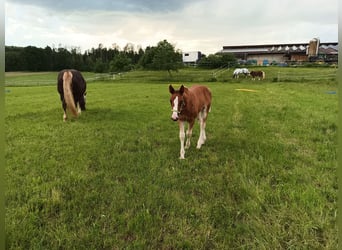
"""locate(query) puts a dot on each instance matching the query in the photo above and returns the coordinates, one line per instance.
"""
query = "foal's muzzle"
(174, 115)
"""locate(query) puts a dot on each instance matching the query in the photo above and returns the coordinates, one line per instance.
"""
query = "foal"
(187, 105)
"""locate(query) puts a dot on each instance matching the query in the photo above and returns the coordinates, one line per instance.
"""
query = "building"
(191, 58)
(285, 53)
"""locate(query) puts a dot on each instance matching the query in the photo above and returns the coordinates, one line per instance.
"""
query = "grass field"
(265, 179)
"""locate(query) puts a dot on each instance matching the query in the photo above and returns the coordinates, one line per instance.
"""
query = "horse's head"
(177, 101)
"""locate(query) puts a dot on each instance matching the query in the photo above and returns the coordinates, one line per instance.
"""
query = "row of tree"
(164, 56)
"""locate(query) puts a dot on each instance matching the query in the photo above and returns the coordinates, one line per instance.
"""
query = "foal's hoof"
(199, 144)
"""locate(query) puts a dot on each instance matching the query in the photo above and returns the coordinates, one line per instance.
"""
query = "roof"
(326, 48)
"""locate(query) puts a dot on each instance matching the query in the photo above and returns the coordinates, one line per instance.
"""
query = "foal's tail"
(68, 95)
(263, 74)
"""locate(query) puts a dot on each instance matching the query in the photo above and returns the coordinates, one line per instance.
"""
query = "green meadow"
(111, 179)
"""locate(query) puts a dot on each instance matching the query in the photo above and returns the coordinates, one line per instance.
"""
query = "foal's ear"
(171, 89)
(181, 90)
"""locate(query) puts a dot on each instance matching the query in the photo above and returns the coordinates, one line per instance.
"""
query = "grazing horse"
(188, 104)
(259, 74)
(71, 87)
(239, 71)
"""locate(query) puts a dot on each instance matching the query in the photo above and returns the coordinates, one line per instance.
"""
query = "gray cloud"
(204, 25)
(108, 5)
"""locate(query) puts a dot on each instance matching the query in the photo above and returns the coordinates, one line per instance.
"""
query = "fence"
(105, 76)
(29, 82)
(300, 77)
(273, 74)
(24, 82)
(220, 71)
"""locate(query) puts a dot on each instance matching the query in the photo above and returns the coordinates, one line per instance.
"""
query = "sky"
(190, 25)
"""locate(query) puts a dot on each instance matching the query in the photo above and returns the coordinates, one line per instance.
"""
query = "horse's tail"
(68, 95)
(263, 74)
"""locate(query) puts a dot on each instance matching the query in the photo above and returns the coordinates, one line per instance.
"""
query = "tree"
(218, 60)
(35, 58)
(166, 58)
(162, 57)
(100, 66)
(63, 59)
(14, 61)
(53, 59)
(147, 58)
(121, 63)
(229, 59)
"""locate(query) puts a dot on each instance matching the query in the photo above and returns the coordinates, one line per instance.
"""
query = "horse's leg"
(64, 109)
(181, 138)
(78, 108)
(77, 104)
(63, 106)
(189, 134)
(82, 102)
(64, 116)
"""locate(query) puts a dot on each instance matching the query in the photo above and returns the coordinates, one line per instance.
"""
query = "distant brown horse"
(259, 74)
(188, 104)
(71, 87)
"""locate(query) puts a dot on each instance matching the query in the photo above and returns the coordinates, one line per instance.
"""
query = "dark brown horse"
(259, 74)
(188, 104)
(71, 87)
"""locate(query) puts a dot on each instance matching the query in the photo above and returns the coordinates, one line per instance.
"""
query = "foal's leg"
(181, 138)
(189, 134)
(202, 121)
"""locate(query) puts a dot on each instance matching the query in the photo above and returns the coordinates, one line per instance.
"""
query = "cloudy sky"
(190, 25)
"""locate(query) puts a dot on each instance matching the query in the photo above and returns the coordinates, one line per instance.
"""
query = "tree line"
(163, 56)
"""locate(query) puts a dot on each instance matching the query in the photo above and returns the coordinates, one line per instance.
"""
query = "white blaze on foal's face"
(175, 109)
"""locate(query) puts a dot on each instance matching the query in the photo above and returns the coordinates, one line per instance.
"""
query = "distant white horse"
(238, 71)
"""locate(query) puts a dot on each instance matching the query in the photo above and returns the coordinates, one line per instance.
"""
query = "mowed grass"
(111, 179)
